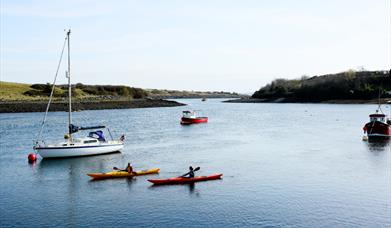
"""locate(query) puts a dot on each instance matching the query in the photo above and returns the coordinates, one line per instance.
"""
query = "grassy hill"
(10, 91)
(349, 85)
(13, 91)
(18, 97)
(19, 91)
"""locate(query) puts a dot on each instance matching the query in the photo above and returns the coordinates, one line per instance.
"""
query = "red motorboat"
(190, 117)
(378, 127)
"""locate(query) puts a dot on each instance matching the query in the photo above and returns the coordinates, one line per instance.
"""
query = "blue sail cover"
(99, 134)
(74, 129)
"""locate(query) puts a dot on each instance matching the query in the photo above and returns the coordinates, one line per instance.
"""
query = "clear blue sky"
(193, 45)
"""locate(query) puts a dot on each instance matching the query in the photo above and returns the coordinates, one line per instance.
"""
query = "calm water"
(284, 165)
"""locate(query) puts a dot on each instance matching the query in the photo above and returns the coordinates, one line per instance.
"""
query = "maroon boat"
(379, 126)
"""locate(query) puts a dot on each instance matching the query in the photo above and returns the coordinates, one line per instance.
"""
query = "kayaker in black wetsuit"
(190, 174)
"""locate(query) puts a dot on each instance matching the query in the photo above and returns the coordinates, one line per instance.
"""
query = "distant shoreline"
(212, 96)
(40, 106)
(285, 100)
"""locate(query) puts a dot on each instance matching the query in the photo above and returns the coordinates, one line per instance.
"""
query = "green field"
(14, 91)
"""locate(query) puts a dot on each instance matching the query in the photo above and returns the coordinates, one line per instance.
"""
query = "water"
(284, 165)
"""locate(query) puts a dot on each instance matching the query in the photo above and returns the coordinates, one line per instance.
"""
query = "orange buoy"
(32, 157)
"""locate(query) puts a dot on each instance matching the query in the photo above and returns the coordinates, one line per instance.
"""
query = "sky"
(202, 45)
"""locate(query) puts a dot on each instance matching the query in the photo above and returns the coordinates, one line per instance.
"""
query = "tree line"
(345, 85)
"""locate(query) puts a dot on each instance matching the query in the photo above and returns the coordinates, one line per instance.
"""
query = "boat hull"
(78, 151)
(197, 120)
(184, 180)
(122, 174)
(377, 130)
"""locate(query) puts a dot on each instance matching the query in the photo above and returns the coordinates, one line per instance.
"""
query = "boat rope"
(51, 93)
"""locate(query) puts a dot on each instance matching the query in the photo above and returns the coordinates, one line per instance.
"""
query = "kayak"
(184, 180)
(122, 174)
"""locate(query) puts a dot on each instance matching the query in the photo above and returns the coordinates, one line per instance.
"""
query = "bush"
(33, 93)
(38, 86)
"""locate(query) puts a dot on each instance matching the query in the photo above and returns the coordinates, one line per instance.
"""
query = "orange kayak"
(185, 180)
(122, 174)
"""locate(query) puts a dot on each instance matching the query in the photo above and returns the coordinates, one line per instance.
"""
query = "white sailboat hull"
(77, 151)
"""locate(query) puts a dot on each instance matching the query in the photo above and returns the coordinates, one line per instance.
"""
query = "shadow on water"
(71, 171)
(191, 187)
(97, 162)
(379, 145)
(193, 190)
(128, 179)
(130, 182)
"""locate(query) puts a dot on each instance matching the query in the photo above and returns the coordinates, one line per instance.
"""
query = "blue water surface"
(284, 165)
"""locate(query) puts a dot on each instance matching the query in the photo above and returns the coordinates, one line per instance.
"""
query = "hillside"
(17, 97)
(349, 85)
(13, 91)
(10, 91)
(19, 91)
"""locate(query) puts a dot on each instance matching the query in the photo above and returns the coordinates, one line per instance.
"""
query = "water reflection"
(379, 145)
(190, 187)
(72, 197)
(97, 163)
(193, 191)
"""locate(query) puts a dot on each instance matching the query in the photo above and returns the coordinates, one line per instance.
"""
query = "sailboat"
(94, 143)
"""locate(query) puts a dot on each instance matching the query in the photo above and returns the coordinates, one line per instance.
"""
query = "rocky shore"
(40, 106)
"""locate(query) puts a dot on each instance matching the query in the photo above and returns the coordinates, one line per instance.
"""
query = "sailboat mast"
(69, 88)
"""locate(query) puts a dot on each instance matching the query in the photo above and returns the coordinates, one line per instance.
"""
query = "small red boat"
(378, 127)
(185, 180)
(190, 117)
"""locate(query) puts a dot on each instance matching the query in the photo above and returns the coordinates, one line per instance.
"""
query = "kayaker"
(190, 174)
(128, 168)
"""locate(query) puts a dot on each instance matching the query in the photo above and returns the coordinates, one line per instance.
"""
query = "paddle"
(118, 169)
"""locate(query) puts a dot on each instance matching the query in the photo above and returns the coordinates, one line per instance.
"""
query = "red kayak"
(184, 180)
